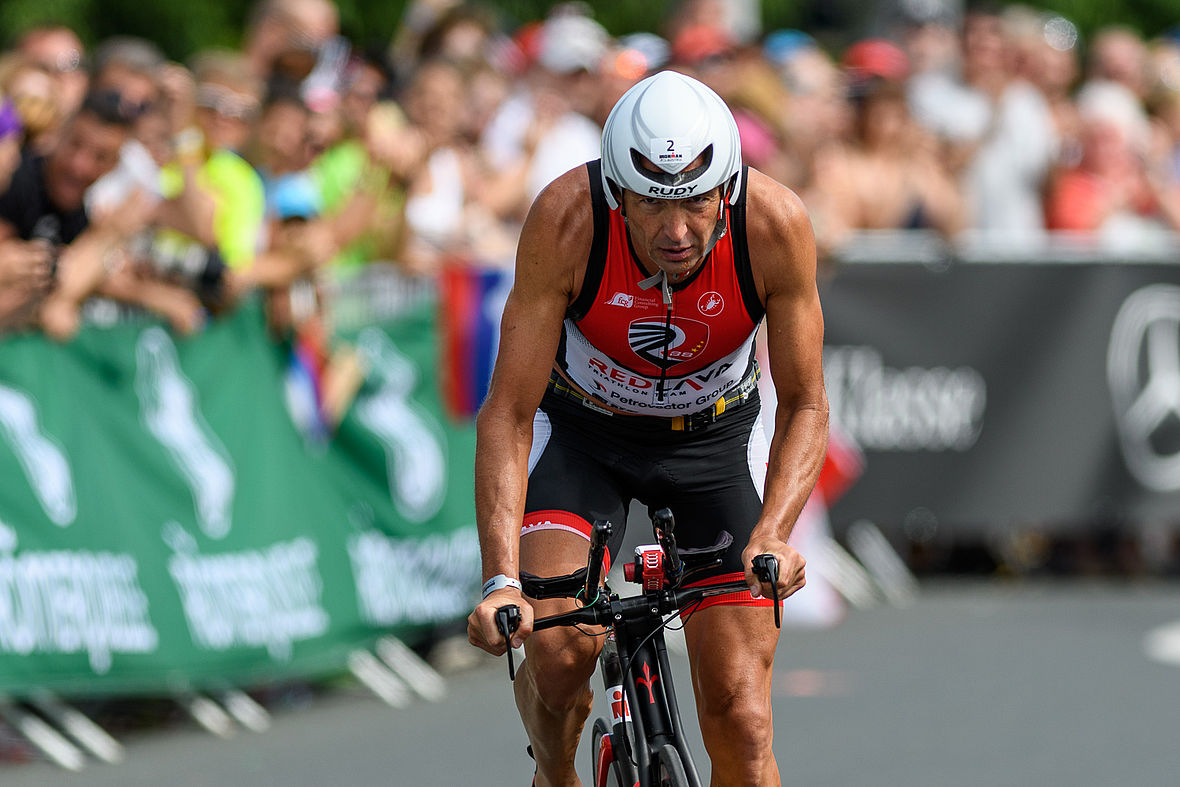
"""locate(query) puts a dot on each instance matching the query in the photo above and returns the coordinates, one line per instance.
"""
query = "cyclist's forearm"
(501, 478)
(796, 455)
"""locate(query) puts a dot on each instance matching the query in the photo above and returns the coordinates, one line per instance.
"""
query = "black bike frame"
(646, 676)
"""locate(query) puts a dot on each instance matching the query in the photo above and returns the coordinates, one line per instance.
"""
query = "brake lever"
(766, 569)
(507, 621)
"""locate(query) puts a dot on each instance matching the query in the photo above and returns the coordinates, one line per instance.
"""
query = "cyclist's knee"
(561, 665)
(741, 720)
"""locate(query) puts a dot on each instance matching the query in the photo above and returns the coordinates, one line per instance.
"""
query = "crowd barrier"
(165, 527)
(993, 388)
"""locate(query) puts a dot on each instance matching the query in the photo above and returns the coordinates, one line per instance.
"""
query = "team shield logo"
(665, 344)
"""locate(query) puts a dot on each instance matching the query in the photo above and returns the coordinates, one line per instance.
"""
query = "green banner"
(164, 525)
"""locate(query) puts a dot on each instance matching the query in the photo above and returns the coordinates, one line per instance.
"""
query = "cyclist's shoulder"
(778, 231)
(562, 216)
(772, 209)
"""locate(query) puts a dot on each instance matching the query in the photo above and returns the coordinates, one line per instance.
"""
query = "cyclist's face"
(672, 234)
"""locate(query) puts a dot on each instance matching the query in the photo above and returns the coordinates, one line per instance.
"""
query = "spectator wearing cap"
(928, 32)
(545, 129)
(44, 206)
(997, 132)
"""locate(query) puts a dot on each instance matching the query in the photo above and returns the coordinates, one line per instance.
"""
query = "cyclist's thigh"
(571, 485)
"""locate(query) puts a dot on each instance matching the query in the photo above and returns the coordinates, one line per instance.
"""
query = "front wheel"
(669, 768)
(606, 771)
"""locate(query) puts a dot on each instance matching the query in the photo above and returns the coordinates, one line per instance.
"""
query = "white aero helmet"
(670, 119)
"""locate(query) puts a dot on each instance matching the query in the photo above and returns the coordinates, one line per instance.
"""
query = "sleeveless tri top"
(626, 347)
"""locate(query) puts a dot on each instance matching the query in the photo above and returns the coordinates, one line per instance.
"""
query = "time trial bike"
(643, 744)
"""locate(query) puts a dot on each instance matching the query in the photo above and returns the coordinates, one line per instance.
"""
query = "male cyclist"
(626, 371)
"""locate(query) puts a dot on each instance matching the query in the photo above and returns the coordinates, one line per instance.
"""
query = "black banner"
(991, 394)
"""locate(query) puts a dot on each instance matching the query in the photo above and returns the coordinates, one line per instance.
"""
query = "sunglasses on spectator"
(227, 102)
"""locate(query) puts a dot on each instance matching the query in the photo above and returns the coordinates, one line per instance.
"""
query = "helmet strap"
(719, 229)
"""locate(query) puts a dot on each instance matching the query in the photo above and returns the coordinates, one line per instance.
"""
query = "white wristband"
(499, 582)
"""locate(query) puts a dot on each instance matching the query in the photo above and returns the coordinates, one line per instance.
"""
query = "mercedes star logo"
(1143, 371)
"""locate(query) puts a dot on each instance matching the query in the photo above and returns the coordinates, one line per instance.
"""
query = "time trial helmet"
(671, 119)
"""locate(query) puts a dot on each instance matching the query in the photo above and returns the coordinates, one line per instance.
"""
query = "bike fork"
(622, 728)
(674, 713)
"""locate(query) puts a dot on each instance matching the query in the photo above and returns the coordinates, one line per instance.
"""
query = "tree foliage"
(183, 28)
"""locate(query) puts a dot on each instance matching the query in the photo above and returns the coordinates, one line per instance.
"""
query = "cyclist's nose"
(675, 225)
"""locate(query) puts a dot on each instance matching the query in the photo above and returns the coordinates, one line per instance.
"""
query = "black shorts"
(587, 465)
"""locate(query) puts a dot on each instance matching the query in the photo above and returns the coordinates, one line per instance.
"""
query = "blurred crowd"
(182, 188)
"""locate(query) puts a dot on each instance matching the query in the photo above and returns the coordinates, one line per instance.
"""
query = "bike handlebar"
(606, 612)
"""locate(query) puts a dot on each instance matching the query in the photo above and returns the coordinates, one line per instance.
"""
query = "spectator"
(816, 111)
(1164, 104)
(24, 268)
(545, 129)
(128, 68)
(58, 51)
(31, 91)
(212, 194)
(444, 219)
(435, 101)
(281, 144)
(464, 35)
(284, 37)
(928, 33)
(44, 205)
(10, 138)
(889, 174)
(362, 175)
(1114, 191)
(1119, 54)
(997, 131)
(1048, 59)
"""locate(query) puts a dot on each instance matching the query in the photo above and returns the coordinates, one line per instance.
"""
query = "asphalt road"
(974, 684)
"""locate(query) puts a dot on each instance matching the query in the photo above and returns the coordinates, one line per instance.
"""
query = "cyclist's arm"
(554, 245)
(782, 249)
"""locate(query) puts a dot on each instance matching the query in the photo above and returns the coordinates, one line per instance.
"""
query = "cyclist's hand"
(481, 623)
(790, 567)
